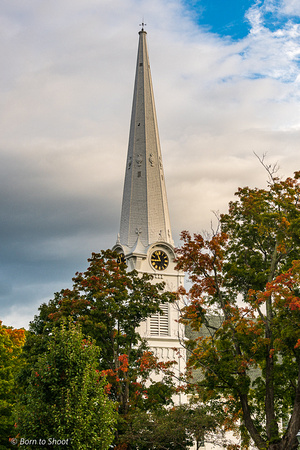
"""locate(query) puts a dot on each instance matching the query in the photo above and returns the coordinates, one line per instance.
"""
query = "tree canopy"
(11, 343)
(245, 306)
(66, 398)
(109, 303)
(179, 427)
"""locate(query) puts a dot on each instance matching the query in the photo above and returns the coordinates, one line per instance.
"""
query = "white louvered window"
(159, 323)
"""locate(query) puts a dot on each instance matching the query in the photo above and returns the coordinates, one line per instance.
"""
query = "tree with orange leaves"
(110, 303)
(244, 312)
(11, 343)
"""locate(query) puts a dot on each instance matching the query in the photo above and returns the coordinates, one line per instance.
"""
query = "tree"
(110, 303)
(175, 428)
(11, 342)
(247, 348)
(66, 399)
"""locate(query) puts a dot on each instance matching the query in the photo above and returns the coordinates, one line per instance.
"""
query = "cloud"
(291, 8)
(273, 42)
(65, 104)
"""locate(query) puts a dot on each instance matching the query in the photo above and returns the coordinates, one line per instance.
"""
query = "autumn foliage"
(244, 313)
(109, 303)
(11, 342)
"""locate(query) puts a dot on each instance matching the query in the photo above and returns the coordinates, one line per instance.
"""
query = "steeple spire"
(145, 241)
(145, 215)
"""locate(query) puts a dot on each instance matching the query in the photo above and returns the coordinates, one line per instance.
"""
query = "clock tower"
(145, 238)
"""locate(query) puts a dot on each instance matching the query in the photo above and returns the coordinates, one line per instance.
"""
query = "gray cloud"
(65, 103)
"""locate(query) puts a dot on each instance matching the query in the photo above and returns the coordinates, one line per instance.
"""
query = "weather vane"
(143, 25)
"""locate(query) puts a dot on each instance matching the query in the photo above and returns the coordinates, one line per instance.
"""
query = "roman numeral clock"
(159, 260)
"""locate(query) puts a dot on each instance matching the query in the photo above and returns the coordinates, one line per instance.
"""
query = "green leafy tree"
(11, 343)
(176, 428)
(66, 400)
(110, 303)
(248, 327)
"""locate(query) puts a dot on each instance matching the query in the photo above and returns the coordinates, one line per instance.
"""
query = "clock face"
(121, 258)
(159, 260)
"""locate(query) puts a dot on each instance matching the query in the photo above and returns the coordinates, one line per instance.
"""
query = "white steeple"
(145, 215)
(145, 239)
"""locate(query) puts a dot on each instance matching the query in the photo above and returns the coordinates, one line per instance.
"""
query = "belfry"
(145, 238)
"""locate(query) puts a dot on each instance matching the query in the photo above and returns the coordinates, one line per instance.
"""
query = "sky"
(226, 85)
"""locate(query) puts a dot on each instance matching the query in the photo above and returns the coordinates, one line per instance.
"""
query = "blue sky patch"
(223, 17)
(228, 17)
(273, 21)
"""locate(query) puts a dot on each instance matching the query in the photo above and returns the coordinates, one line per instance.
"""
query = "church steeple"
(145, 216)
(145, 240)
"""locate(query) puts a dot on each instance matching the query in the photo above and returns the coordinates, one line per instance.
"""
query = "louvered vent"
(159, 323)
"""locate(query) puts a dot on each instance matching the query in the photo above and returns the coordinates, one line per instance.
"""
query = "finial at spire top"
(143, 25)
